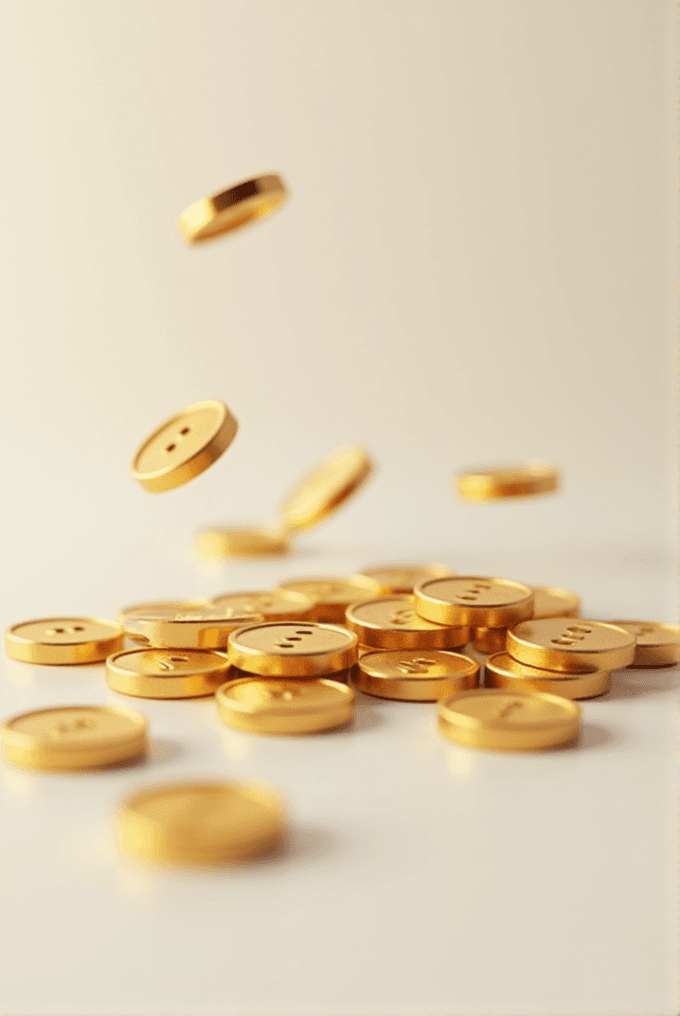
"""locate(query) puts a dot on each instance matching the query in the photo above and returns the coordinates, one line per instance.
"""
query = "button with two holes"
(167, 673)
(292, 649)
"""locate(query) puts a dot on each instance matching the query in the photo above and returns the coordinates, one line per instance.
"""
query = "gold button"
(202, 627)
(333, 595)
(509, 721)
(656, 644)
(391, 622)
(269, 706)
(334, 480)
(129, 616)
(501, 671)
(277, 605)
(220, 542)
(236, 206)
(201, 822)
(63, 640)
(489, 640)
(73, 737)
(292, 649)
(474, 600)
(551, 601)
(166, 673)
(414, 675)
(524, 479)
(561, 643)
(401, 578)
(184, 446)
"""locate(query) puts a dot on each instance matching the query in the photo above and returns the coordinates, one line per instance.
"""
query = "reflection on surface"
(461, 761)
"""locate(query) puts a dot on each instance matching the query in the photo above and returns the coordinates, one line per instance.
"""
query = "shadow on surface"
(632, 683)
(163, 751)
(594, 735)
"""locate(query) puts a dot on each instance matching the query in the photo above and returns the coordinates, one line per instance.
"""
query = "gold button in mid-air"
(201, 822)
(523, 479)
(274, 605)
(657, 644)
(270, 706)
(184, 446)
(561, 643)
(509, 721)
(415, 675)
(401, 578)
(488, 640)
(237, 206)
(501, 671)
(474, 600)
(73, 738)
(292, 649)
(63, 640)
(551, 601)
(221, 542)
(391, 622)
(334, 480)
(201, 627)
(166, 673)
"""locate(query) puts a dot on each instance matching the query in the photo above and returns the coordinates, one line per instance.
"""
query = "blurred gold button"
(401, 578)
(474, 600)
(333, 595)
(201, 822)
(63, 640)
(202, 627)
(166, 673)
(129, 616)
(509, 721)
(232, 208)
(551, 601)
(292, 649)
(221, 542)
(73, 737)
(559, 643)
(414, 675)
(523, 479)
(334, 480)
(270, 706)
(501, 671)
(184, 446)
(656, 644)
(274, 605)
(391, 622)
(488, 640)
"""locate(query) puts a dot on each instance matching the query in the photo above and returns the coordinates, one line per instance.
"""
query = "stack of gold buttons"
(549, 601)
(178, 625)
(333, 595)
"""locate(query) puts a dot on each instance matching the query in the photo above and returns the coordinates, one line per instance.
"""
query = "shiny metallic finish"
(222, 542)
(63, 641)
(272, 605)
(228, 210)
(566, 644)
(166, 673)
(501, 671)
(656, 644)
(523, 479)
(415, 675)
(508, 721)
(552, 601)
(488, 640)
(274, 706)
(391, 622)
(395, 579)
(478, 601)
(292, 649)
(334, 480)
(201, 627)
(333, 595)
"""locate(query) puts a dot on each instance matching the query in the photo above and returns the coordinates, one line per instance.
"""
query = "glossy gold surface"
(551, 601)
(273, 706)
(272, 605)
(63, 640)
(73, 738)
(201, 822)
(475, 600)
(401, 578)
(166, 673)
(523, 479)
(414, 675)
(330, 484)
(657, 644)
(501, 671)
(292, 649)
(129, 616)
(202, 627)
(391, 622)
(566, 644)
(333, 595)
(184, 446)
(509, 721)
(237, 206)
(222, 542)
(488, 640)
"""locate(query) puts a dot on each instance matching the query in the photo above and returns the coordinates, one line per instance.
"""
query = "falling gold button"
(391, 622)
(63, 640)
(656, 644)
(238, 205)
(524, 479)
(73, 737)
(202, 627)
(565, 644)
(333, 595)
(277, 605)
(184, 446)
(334, 480)
(501, 671)
(413, 675)
(474, 600)
(401, 578)
(222, 542)
(270, 706)
(292, 649)
(509, 721)
(166, 673)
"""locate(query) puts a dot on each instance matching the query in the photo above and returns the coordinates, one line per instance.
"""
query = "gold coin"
(277, 605)
(129, 616)
(551, 601)
(201, 823)
(202, 627)
(412, 675)
(501, 671)
(63, 640)
(73, 737)
(236, 206)
(184, 446)
(336, 478)
(269, 706)
(561, 643)
(333, 595)
(474, 600)
(292, 649)
(489, 640)
(221, 542)
(657, 643)
(401, 578)
(391, 622)
(524, 479)
(510, 721)
(166, 673)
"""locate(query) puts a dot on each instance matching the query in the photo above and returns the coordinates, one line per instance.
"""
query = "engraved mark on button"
(474, 589)
(282, 692)
(288, 641)
(404, 615)
(74, 726)
(419, 665)
(173, 444)
(574, 633)
(66, 631)
(169, 663)
(508, 708)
